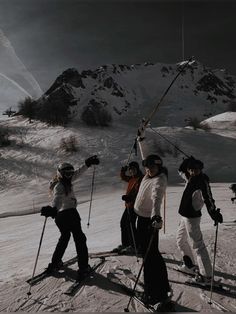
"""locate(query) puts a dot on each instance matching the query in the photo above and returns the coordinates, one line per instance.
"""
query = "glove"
(216, 216)
(124, 169)
(93, 160)
(141, 133)
(157, 222)
(126, 198)
(233, 199)
(48, 211)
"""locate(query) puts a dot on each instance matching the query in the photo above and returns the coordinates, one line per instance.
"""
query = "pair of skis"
(75, 285)
(217, 287)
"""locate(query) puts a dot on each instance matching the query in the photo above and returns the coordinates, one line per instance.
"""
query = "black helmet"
(65, 170)
(152, 160)
(195, 164)
(133, 164)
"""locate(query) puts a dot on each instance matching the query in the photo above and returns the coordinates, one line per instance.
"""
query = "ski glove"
(141, 133)
(93, 160)
(49, 211)
(157, 222)
(216, 216)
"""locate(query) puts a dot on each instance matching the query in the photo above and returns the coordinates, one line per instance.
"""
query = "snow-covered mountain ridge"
(123, 90)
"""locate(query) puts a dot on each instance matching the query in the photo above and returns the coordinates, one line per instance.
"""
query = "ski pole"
(36, 261)
(161, 100)
(166, 91)
(140, 270)
(214, 260)
(91, 196)
(132, 234)
(164, 213)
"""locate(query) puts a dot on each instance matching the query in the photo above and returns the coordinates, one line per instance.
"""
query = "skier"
(67, 218)
(147, 207)
(189, 236)
(128, 219)
(233, 188)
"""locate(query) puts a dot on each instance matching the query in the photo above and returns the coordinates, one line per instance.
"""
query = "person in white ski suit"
(189, 236)
(147, 207)
(67, 218)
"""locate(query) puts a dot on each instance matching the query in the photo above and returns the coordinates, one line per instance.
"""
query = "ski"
(103, 254)
(77, 284)
(180, 271)
(216, 288)
(136, 295)
(44, 274)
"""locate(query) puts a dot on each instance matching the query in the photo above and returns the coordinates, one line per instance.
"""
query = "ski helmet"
(152, 160)
(133, 164)
(195, 164)
(65, 170)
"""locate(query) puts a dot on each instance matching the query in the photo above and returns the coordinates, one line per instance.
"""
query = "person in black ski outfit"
(66, 216)
(233, 189)
(128, 219)
(189, 236)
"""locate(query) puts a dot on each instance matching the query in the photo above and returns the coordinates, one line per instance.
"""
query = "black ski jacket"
(199, 182)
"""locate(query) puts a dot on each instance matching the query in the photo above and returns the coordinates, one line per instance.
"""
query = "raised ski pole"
(214, 261)
(166, 91)
(140, 270)
(160, 101)
(91, 196)
(36, 261)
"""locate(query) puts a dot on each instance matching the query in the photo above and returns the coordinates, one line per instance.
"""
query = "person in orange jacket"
(128, 220)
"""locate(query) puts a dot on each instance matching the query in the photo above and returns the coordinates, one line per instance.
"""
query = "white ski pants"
(189, 240)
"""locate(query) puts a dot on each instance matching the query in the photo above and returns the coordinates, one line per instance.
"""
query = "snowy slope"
(35, 151)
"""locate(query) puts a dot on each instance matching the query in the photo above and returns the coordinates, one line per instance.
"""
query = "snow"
(30, 162)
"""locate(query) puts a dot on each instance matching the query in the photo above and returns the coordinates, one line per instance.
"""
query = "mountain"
(132, 91)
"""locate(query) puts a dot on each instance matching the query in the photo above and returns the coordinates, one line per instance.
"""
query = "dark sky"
(52, 35)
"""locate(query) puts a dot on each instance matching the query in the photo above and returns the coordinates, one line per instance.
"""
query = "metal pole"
(36, 261)
(91, 197)
(214, 260)
(141, 268)
(132, 233)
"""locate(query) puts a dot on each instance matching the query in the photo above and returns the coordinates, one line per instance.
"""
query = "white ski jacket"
(62, 201)
(151, 192)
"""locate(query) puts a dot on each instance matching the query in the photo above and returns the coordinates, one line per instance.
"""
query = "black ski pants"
(68, 221)
(156, 283)
(128, 221)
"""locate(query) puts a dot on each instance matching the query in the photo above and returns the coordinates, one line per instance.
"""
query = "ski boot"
(53, 267)
(83, 273)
